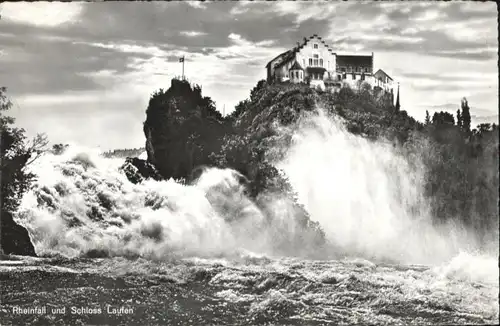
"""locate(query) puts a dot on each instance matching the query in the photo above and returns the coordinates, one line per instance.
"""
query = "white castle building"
(314, 62)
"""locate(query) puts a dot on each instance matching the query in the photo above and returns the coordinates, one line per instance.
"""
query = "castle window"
(366, 69)
(321, 62)
(344, 76)
(358, 69)
(310, 61)
(315, 45)
(316, 62)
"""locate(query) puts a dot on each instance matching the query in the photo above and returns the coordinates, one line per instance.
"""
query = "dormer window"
(315, 45)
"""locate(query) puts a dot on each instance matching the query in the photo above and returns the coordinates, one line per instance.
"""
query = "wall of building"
(296, 76)
(282, 72)
(271, 70)
(308, 52)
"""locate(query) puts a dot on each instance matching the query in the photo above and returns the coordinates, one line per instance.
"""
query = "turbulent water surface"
(204, 253)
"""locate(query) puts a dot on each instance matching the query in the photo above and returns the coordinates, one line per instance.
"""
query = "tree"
(466, 119)
(459, 119)
(16, 153)
(427, 118)
(254, 92)
(443, 118)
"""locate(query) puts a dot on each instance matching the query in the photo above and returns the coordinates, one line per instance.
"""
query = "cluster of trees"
(124, 153)
(462, 165)
(16, 153)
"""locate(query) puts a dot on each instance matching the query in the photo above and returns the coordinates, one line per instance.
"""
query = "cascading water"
(82, 203)
(366, 195)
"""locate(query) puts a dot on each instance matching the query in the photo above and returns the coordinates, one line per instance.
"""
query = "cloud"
(192, 33)
(52, 66)
(439, 51)
(41, 13)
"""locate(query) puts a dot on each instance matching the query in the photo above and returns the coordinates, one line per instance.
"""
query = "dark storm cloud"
(432, 43)
(406, 29)
(51, 65)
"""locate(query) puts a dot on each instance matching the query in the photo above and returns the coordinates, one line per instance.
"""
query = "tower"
(398, 106)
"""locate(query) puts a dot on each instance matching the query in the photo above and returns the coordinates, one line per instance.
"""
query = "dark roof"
(282, 54)
(296, 66)
(289, 55)
(316, 69)
(383, 72)
(354, 60)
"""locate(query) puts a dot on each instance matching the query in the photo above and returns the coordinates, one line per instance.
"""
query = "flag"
(181, 59)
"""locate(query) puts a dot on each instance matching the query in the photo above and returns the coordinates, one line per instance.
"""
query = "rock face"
(138, 170)
(182, 129)
(15, 239)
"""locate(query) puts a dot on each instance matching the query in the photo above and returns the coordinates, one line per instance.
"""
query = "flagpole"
(183, 59)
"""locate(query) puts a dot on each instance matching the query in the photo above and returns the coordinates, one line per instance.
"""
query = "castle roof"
(278, 56)
(296, 66)
(354, 60)
(381, 72)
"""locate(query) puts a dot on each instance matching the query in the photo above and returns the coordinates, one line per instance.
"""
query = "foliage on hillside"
(15, 154)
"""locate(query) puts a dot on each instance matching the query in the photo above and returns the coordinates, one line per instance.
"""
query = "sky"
(83, 72)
